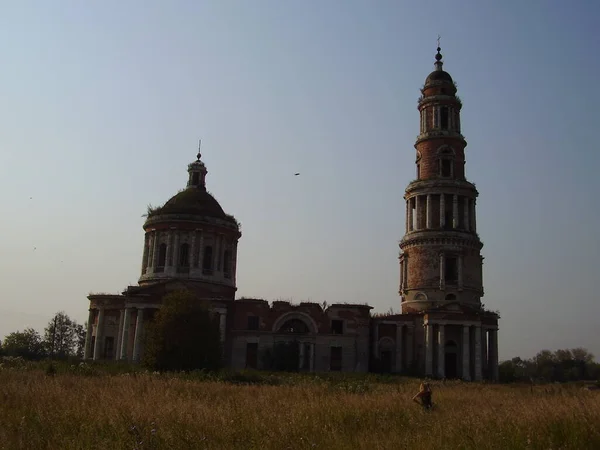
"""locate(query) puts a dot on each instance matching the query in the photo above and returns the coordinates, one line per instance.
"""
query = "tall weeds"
(70, 410)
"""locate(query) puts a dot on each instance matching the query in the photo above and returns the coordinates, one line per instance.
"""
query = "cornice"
(440, 99)
(437, 134)
(192, 219)
(439, 186)
(440, 237)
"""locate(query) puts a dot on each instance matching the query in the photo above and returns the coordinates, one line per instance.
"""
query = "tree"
(27, 344)
(60, 336)
(183, 335)
(80, 332)
(0, 348)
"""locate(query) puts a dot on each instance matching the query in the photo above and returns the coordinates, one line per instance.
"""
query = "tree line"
(63, 338)
(559, 366)
(184, 335)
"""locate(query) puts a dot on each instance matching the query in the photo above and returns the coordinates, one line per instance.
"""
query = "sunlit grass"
(72, 410)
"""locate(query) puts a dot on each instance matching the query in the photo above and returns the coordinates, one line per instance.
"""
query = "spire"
(197, 171)
(438, 57)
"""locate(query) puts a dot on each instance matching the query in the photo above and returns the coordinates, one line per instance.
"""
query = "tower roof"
(438, 74)
(194, 199)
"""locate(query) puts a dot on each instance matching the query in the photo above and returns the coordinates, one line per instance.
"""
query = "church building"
(442, 331)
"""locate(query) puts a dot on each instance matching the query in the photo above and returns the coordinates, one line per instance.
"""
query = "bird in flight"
(296, 174)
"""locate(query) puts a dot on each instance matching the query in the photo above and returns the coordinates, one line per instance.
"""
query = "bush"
(183, 336)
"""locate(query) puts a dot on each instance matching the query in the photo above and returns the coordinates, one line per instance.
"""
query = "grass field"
(89, 407)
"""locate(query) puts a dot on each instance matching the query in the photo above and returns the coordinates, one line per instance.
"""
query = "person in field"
(423, 397)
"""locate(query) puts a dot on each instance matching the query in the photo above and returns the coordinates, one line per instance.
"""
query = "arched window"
(184, 255)
(295, 326)
(446, 162)
(207, 260)
(418, 165)
(420, 296)
(162, 257)
(227, 264)
(444, 118)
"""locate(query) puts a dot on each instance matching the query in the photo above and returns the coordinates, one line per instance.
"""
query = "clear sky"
(102, 104)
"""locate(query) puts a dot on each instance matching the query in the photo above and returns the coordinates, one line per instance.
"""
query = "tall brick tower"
(441, 276)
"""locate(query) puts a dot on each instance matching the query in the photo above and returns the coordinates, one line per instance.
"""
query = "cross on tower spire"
(199, 145)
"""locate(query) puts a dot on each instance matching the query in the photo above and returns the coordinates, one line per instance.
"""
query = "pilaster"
(477, 355)
(125, 336)
(87, 352)
(139, 330)
(429, 212)
(428, 349)
(99, 334)
(466, 345)
(441, 348)
(119, 335)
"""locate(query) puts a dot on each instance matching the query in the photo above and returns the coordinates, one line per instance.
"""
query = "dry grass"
(74, 411)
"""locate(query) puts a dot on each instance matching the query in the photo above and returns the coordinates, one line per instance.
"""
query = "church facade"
(442, 331)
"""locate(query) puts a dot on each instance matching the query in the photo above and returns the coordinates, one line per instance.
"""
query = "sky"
(103, 103)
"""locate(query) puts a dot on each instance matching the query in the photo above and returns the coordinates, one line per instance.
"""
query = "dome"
(196, 201)
(438, 75)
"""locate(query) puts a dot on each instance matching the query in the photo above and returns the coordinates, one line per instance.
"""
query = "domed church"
(442, 330)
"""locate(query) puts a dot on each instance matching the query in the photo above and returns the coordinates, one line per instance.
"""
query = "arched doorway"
(451, 360)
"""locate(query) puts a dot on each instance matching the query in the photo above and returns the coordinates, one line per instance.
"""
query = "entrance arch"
(451, 359)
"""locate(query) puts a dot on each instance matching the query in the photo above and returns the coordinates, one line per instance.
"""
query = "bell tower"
(440, 259)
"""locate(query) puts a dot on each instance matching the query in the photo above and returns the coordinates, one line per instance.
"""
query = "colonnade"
(479, 351)
(195, 256)
(123, 333)
(416, 204)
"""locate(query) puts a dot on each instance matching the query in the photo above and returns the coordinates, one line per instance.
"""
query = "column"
(455, 211)
(119, 335)
(405, 271)
(460, 272)
(99, 334)
(234, 261)
(442, 269)
(87, 350)
(494, 354)
(146, 251)
(312, 357)
(417, 212)
(410, 214)
(139, 329)
(467, 208)
(466, 359)
(150, 249)
(375, 341)
(155, 240)
(429, 212)
(428, 349)
(175, 249)
(485, 367)
(441, 348)
(473, 216)
(125, 336)
(201, 251)
(399, 351)
(442, 210)
(407, 229)
(193, 251)
(169, 258)
(401, 274)
(477, 355)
